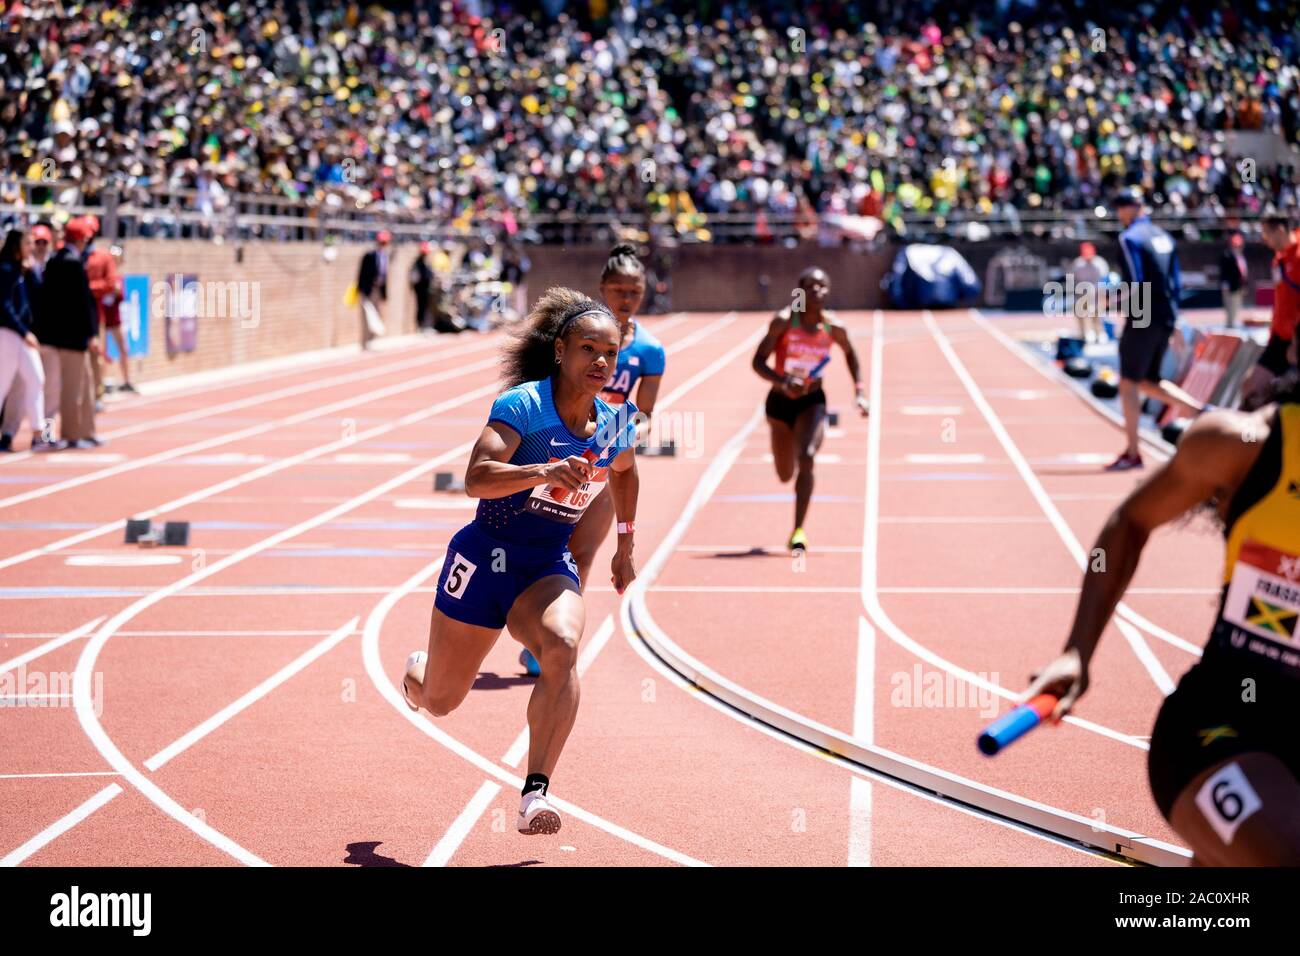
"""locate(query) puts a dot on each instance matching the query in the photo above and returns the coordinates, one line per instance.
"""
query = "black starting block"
(173, 534)
(833, 418)
(665, 449)
(447, 481)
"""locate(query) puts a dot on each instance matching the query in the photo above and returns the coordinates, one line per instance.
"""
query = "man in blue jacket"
(1149, 267)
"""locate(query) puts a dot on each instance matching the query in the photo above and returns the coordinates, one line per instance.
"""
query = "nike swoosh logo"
(560, 443)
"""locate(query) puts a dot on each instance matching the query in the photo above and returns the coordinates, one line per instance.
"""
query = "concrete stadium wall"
(301, 292)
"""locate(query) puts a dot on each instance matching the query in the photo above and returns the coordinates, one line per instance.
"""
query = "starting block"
(833, 418)
(447, 481)
(665, 449)
(173, 534)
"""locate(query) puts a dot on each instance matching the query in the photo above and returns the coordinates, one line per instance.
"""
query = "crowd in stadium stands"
(489, 112)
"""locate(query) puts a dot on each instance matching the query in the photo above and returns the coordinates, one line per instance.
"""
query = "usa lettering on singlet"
(545, 515)
(644, 355)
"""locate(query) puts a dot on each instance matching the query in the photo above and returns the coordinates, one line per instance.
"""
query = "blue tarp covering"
(931, 277)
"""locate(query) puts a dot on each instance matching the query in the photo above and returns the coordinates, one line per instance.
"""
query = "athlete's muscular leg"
(548, 618)
(809, 430)
(783, 445)
(456, 651)
(1241, 812)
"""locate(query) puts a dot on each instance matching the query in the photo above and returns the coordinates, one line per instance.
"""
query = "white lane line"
(41, 776)
(42, 649)
(1157, 450)
(687, 341)
(1070, 589)
(79, 814)
(918, 410)
(388, 690)
(465, 821)
(255, 474)
(271, 468)
(954, 459)
(874, 763)
(22, 699)
(348, 404)
(963, 519)
(260, 400)
(778, 549)
(870, 560)
(1140, 647)
(864, 695)
(60, 826)
(181, 744)
(81, 682)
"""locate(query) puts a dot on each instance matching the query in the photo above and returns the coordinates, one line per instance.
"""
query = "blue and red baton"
(1011, 727)
(817, 369)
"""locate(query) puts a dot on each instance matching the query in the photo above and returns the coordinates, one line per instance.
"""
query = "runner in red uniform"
(802, 337)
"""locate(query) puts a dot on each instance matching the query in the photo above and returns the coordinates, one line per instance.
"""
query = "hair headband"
(574, 316)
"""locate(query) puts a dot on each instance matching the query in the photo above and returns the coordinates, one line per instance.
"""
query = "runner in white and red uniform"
(802, 337)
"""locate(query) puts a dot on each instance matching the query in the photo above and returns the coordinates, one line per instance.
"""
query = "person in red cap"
(1092, 269)
(67, 325)
(106, 286)
(372, 287)
(421, 288)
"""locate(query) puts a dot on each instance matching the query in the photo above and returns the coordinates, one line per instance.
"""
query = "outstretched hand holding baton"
(1052, 693)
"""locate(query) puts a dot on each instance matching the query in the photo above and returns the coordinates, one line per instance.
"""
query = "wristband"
(626, 527)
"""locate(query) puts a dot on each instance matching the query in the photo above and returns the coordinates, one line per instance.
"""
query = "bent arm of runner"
(765, 348)
(624, 487)
(841, 337)
(1212, 459)
(490, 475)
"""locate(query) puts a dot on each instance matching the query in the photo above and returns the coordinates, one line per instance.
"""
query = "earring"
(557, 360)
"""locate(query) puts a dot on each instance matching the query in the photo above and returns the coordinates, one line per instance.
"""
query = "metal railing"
(175, 214)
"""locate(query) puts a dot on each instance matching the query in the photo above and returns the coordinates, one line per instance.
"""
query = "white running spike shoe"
(536, 815)
(416, 657)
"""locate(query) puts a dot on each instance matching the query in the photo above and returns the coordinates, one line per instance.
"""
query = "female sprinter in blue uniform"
(549, 447)
(640, 368)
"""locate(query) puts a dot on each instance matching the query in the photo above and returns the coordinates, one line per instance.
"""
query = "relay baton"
(1011, 727)
(817, 369)
(593, 456)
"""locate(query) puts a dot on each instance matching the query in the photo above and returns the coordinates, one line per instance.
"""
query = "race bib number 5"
(458, 577)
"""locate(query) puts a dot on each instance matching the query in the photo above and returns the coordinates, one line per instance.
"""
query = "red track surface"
(309, 495)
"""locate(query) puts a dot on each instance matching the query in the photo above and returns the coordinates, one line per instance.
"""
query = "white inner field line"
(104, 796)
(156, 795)
(388, 690)
(307, 455)
(1141, 649)
(468, 818)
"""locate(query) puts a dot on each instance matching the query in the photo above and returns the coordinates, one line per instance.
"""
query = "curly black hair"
(529, 354)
